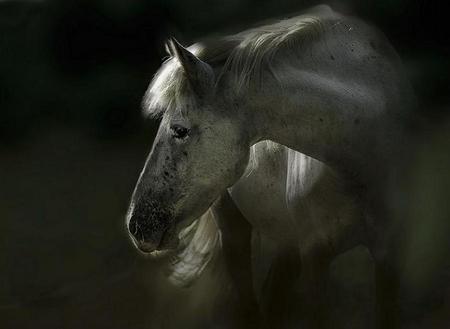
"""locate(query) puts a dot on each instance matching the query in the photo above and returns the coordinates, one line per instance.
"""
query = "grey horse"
(328, 87)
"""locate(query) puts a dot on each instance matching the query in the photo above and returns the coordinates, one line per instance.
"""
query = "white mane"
(258, 46)
(244, 55)
(200, 244)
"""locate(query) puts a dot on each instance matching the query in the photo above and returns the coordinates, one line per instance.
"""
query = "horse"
(329, 87)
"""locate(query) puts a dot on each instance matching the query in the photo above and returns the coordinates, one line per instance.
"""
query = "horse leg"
(314, 310)
(236, 243)
(277, 288)
(387, 292)
(384, 244)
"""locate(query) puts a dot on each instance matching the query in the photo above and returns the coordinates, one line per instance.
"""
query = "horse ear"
(199, 74)
(168, 50)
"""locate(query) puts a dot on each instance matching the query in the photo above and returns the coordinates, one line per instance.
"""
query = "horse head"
(201, 148)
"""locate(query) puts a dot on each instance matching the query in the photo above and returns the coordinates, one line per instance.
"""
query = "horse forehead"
(167, 89)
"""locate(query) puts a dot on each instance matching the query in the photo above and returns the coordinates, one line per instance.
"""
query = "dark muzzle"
(148, 224)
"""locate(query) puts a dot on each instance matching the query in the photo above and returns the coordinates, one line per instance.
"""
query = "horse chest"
(262, 204)
(290, 197)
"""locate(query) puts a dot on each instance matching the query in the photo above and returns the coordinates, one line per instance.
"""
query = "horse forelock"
(169, 88)
(166, 89)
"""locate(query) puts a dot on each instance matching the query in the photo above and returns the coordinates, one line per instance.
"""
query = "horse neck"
(335, 122)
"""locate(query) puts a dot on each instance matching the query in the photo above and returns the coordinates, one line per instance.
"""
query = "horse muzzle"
(146, 237)
(149, 236)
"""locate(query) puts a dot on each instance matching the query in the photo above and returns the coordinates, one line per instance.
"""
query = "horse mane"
(245, 55)
(257, 47)
(200, 245)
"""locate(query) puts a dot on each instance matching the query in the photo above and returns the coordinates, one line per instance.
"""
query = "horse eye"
(179, 131)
